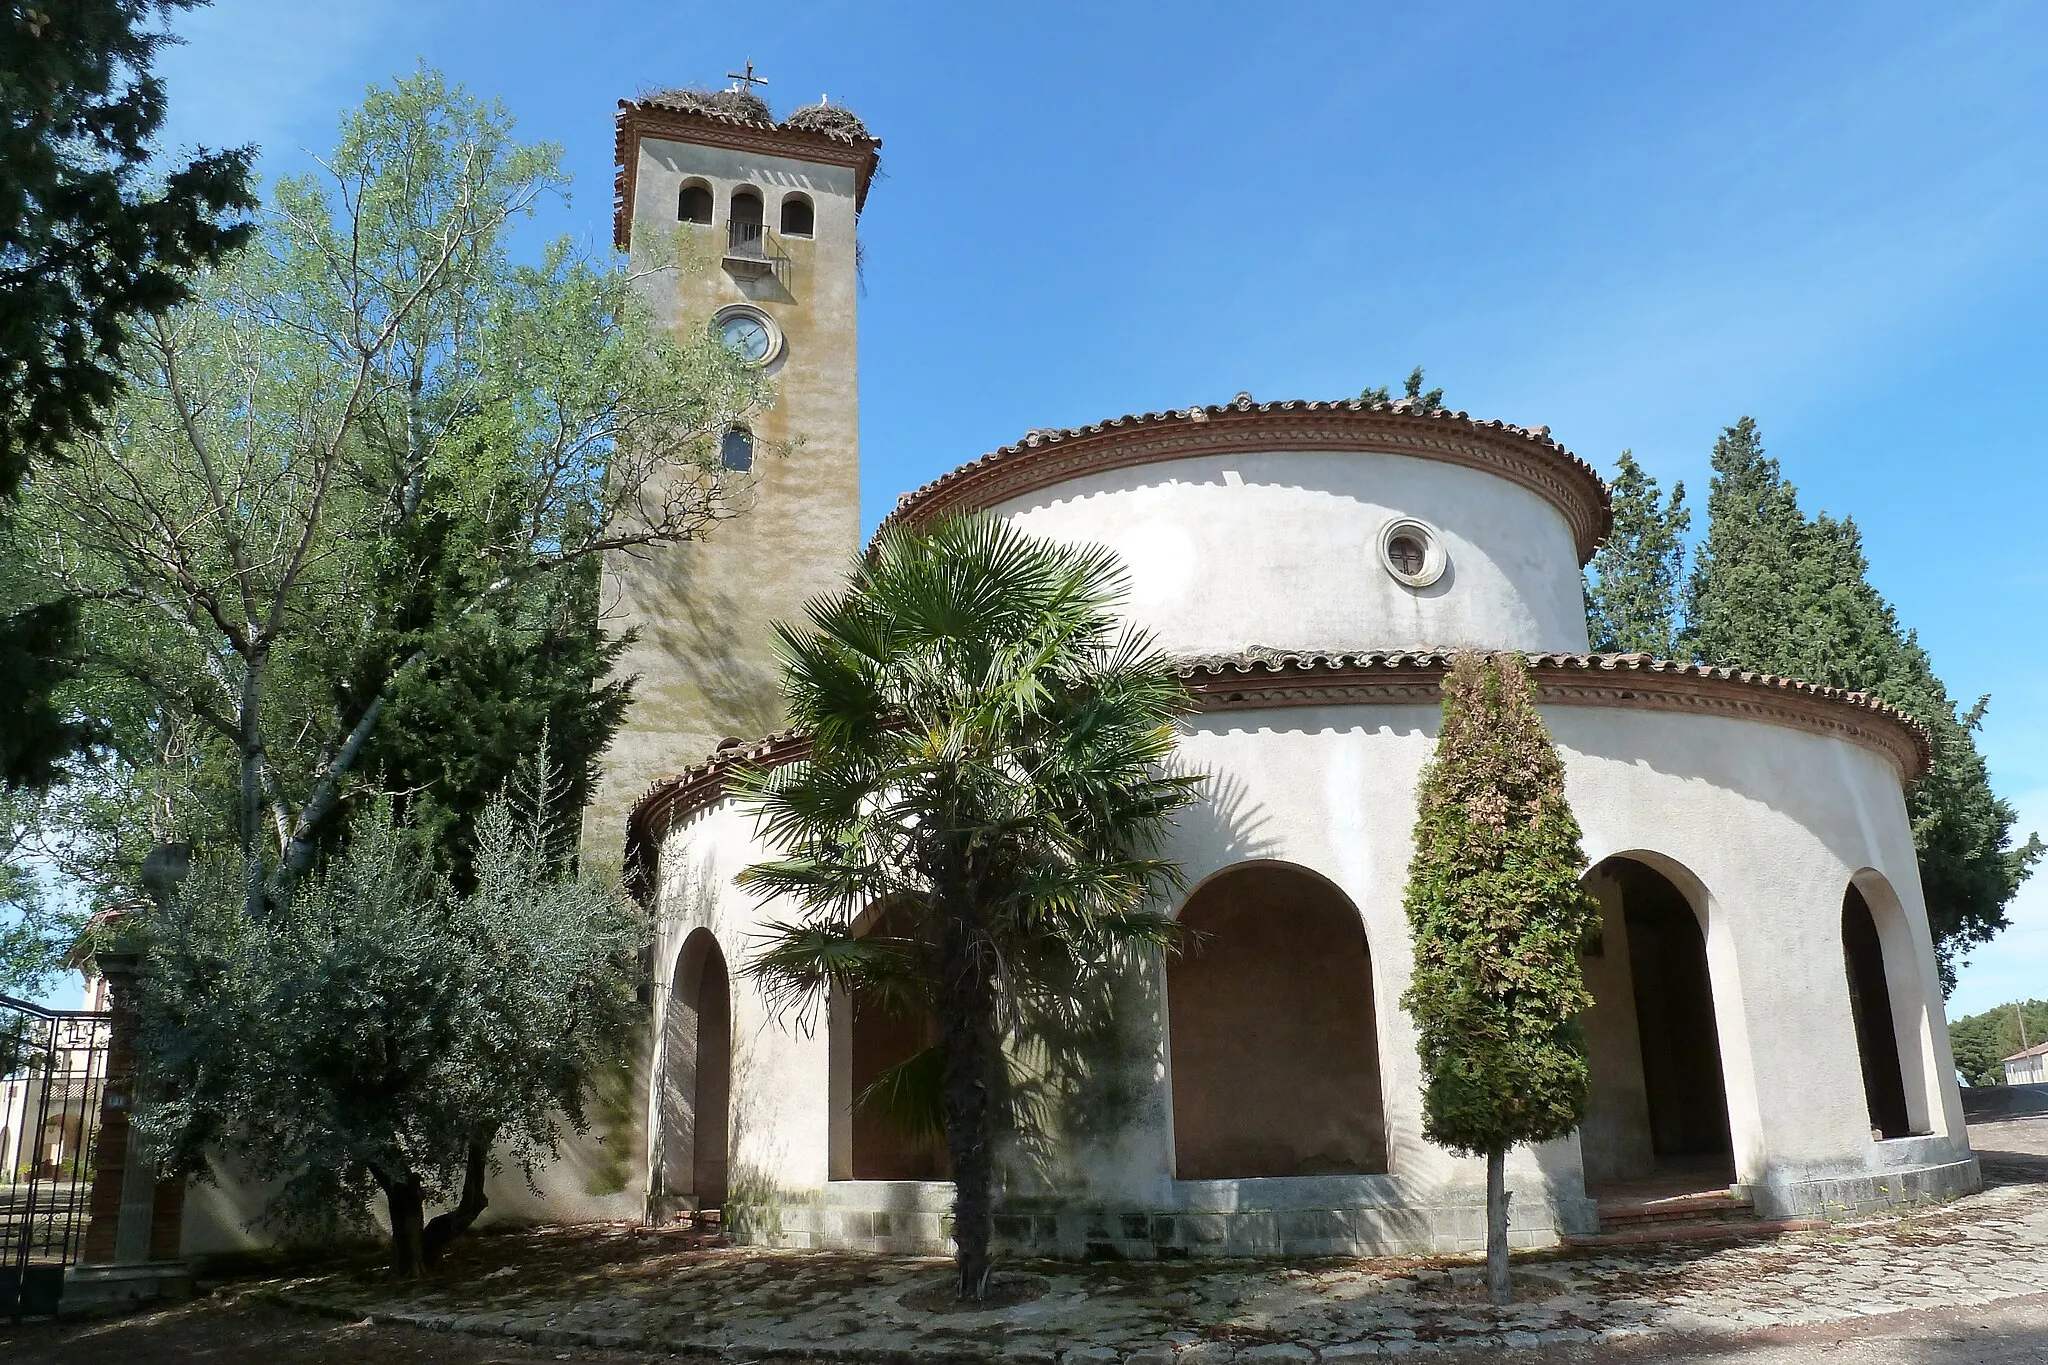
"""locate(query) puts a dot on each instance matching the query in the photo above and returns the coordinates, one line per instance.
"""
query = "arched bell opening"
(696, 1076)
(1274, 1044)
(1656, 1119)
(884, 1062)
(1888, 1009)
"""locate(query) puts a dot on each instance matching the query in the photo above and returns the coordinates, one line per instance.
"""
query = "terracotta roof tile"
(1260, 679)
(1045, 457)
(681, 116)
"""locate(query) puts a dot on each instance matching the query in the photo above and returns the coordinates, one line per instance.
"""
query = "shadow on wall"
(1225, 826)
(1274, 1035)
(685, 653)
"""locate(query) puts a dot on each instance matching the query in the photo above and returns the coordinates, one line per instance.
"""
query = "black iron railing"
(747, 239)
(55, 1073)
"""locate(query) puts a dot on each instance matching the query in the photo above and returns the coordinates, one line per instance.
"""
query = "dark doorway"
(1657, 1114)
(1275, 1045)
(886, 1034)
(1870, 1002)
(697, 1076)
(1667, 956)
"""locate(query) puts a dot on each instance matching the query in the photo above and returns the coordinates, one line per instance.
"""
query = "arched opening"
(696, 1089)
(797, 215)
(693, 203)
(1870, 1004)
(1658, 1110)
(1274, 1040)
(744, 232)
(875, 1036)
(736, 450)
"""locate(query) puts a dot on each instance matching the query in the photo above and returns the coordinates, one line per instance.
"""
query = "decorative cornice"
(645, 118)
(1266, 679)
(671, 800)
(1638, 681)
(1526, 456)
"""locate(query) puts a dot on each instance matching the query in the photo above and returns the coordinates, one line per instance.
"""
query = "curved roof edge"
(1523, 455)
(1260, 679)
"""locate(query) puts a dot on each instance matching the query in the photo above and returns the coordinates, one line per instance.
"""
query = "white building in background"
(2029, 1067)
(48, 1095)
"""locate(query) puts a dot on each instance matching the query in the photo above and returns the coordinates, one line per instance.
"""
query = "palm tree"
(986, 762)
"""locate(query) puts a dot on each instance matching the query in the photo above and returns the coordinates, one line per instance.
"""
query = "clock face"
(747, 336)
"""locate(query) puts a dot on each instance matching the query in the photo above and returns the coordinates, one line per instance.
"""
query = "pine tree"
(1498, 916)
(1774, 592)
(1632, 598)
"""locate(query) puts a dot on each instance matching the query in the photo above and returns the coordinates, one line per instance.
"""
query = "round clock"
(747, 335)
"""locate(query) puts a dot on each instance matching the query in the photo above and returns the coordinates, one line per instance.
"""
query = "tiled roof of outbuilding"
(1525, 455)
(1259, 679)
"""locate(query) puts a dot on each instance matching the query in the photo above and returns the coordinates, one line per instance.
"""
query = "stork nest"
(832, 119)
(744, 105)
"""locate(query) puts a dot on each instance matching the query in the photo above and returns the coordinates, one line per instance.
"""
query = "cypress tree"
(1741, 597)
(1498, 915)
(1632, 596)
(1777, 593)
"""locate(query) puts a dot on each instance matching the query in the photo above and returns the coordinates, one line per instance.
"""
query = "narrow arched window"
(797, 215)
(736, 450)
(744, 230)
(693, 205)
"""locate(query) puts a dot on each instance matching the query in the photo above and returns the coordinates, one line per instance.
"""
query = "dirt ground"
(228, 1331)
(224, 1331)
(238, 1326)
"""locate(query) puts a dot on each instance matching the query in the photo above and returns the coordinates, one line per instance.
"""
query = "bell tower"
(745, 224)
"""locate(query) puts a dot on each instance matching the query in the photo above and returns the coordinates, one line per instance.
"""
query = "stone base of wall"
(101, 1290)
(1857, 1196)
(1330, 1216)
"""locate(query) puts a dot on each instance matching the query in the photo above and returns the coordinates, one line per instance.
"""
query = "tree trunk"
(1499, 1288)
(249, 825)
(407, 1203)
(446, 1227)
(967, 1022)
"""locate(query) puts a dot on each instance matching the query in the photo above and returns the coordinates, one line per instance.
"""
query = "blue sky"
(1631, 222)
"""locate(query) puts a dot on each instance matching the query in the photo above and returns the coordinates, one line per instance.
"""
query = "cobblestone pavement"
(644, 1288)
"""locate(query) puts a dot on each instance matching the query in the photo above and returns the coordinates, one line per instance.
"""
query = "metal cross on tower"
(747, 79)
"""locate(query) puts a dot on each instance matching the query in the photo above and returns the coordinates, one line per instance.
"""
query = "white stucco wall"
(780, 1136)
(1763, 826)
(1282, 550)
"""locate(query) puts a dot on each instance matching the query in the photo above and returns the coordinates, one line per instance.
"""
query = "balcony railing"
(751, 251)
(748, 241)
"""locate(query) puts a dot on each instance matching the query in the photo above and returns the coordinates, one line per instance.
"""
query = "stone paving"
(649, 1288)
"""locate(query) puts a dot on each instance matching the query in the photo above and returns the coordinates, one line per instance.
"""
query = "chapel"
(1768, 1033)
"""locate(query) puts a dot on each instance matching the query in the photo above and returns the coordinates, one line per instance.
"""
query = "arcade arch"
(696, 1076)
(870, 1036)
(1272, 1032)
(1887, 1007)
(1658, 1107)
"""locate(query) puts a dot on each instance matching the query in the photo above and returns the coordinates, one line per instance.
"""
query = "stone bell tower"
(739, 223)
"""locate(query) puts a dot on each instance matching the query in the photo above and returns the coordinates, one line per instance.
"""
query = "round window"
(1412, 551)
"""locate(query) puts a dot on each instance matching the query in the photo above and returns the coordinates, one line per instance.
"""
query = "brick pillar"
(133, 1216)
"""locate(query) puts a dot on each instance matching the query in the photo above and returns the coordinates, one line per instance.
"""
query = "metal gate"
(54, 1064)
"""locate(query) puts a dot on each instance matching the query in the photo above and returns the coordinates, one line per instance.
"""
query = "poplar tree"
(1632, 594)
(1498, 916)
(1777, 593)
